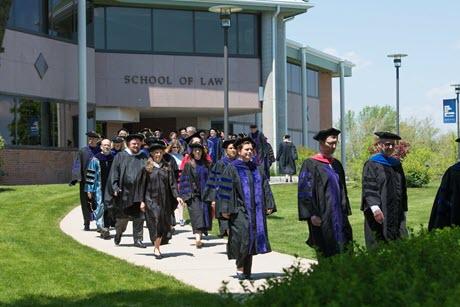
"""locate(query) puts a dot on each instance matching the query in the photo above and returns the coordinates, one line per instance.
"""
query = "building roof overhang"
(317, 59)
(287, 7)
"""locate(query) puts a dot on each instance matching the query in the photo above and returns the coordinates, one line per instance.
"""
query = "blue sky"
(364, 32)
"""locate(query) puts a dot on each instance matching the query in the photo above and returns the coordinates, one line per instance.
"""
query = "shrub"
(303, 153)
(422, 270)
(2, 145)
(416, 167)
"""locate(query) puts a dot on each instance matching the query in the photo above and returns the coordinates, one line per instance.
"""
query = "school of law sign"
(165, 80)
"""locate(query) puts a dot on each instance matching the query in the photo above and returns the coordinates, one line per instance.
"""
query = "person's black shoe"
(105, 233)
(117, 239)
(139, 244)
(86, 227)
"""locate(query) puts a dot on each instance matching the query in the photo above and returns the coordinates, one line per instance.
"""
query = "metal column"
(82, 81)
(304, 98)
(343, 134)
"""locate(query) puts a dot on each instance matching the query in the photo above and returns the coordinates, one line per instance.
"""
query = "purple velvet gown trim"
(257, 206)
(203, 173)
(337, 213)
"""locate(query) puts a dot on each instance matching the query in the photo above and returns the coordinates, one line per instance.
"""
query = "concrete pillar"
(304, 97)
(82, 81)
(281, 91)
(267, 75)
(343, 135)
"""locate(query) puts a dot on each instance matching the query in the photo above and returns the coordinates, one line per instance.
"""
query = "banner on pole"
(449, 111)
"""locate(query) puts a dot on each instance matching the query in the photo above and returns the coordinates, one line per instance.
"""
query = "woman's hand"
(142, 206)
(180, 201)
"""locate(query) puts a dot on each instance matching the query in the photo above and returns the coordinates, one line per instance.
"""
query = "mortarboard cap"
(324, 134)
(387, 135)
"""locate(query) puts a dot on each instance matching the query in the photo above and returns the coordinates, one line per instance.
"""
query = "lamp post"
(457, 91)
(225, 12)
(397, 61)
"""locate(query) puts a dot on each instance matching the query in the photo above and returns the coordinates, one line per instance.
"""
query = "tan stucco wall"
(325, 96)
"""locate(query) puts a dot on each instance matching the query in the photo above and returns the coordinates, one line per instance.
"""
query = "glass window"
(246, 34)
(294, 78)
(25, 121)
(173, 31)
(289, 77)
(99, 28)
(27, 15)
(312, 83)
(232, 35)
(208, 33)
(61, 19)
(129, 29)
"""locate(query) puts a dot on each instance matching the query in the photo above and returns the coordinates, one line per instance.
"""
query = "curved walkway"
(205, 268)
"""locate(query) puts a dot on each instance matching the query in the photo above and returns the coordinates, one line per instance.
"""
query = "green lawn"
(42, 266)
(288, 235)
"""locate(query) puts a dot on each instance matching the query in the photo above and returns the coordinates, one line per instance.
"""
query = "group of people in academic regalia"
(323, 199)
(144, 177)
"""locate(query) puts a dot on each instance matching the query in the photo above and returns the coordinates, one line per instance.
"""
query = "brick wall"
(325, 96)
(36, 166)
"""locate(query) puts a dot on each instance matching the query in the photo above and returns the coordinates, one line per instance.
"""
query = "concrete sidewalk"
(205, 268)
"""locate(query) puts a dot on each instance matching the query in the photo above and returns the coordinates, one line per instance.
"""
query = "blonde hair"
(174, 143)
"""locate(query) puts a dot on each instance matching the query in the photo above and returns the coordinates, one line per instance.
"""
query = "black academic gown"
(384, 186)
(106, 163)
(123, 179)
(245, 194)
(446, 206)
(322, 192)
(287, 154)
(212, 189)
(192, 183)
(84, 156)
(158, 190)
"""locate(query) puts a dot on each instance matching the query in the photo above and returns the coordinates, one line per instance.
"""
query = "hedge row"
(423, 270)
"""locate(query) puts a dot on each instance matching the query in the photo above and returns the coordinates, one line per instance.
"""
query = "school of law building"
(156, 64)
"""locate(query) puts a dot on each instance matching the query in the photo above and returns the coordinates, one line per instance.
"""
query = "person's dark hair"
(240, 146)
(203, 159)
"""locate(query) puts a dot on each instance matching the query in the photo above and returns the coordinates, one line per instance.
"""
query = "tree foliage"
(426, 152)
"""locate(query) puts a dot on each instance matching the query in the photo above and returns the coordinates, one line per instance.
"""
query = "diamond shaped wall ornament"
(41, 66)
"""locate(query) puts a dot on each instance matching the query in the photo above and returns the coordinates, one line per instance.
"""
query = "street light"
(397, 61)
(225, 12)
(457, 91)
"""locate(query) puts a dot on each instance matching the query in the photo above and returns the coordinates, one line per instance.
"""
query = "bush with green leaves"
(422, 270)
(417, 167)
(303, 153)
(2, 145)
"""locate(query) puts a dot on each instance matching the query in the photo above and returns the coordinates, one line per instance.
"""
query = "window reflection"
(31, 122)
(128, 29)
(61, 18)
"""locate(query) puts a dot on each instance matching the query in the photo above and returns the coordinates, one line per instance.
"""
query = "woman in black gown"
(157, 193)
(192, 184)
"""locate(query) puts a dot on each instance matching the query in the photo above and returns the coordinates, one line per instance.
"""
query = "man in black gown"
(323, 198)
(85, 154)
(446, 206)
(121, 186)
(384, 194)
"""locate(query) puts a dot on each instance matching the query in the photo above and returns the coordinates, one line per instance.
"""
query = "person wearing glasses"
(384, 193)
(323, 198)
